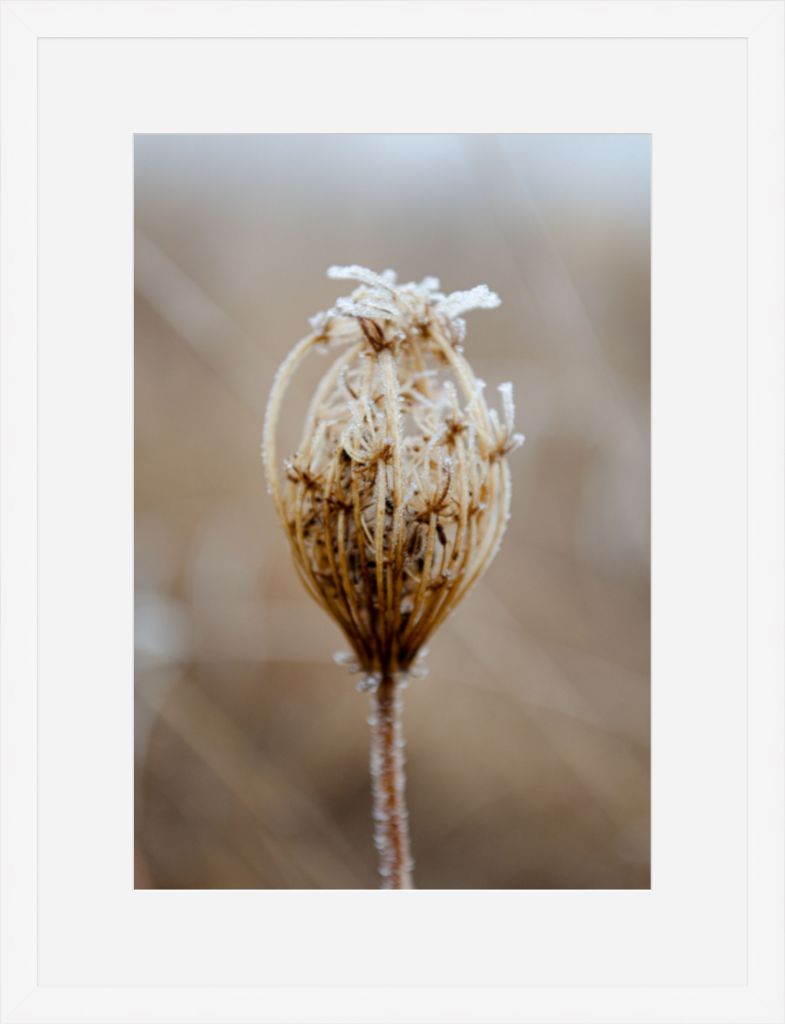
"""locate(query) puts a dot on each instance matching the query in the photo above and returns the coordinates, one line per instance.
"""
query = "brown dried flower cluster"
(396, 500)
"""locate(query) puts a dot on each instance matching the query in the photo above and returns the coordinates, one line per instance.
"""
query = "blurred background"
(528, 743)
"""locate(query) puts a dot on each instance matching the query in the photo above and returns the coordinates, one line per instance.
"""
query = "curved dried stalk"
(396, 500)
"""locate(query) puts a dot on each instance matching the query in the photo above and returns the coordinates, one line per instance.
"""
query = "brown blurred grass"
(528, 756)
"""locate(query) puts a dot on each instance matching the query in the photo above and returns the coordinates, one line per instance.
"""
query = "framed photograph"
(394, 492)
(431, 350)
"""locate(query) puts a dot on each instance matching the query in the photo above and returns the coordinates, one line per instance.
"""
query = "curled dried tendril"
(397, 497)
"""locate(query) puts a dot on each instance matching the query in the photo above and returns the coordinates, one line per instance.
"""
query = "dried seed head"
(397, 497)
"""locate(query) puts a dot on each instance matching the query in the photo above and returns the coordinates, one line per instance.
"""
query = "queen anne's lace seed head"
(396, 499)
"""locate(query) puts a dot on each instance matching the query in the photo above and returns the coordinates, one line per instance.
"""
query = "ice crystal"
(480, 297)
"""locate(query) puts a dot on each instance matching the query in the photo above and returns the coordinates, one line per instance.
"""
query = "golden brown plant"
(397, 498)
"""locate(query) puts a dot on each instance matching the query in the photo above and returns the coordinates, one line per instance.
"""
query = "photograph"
(392, 489)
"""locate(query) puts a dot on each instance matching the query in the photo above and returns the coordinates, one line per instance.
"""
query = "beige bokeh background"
(528, 744)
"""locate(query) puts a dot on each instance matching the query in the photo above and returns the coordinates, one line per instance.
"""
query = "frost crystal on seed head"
(384, 280)
(396, 499)
(348, 659)
(480, 297)
(318, 321)
(405, 306)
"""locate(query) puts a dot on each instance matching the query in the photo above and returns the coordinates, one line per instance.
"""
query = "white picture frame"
(706, 943)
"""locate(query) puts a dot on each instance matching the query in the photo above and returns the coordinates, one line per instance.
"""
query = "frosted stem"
(391, 819)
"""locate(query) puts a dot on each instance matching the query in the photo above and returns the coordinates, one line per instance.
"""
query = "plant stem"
(391, 818)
